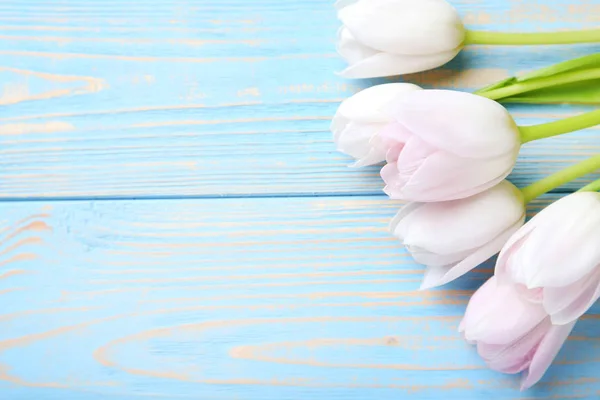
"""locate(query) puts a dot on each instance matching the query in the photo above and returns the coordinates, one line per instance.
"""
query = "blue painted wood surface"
(176, 223)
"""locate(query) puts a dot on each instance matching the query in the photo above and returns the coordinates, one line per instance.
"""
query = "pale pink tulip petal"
(478, 301)
(516, 356)
(350, 49)
(440, 276)
(429, 112)
(413, 155)
(559, 265)
(547, 258)
(507, 266)
(373, 157)
(568, 303)
(338, 124)
(370, 154)
(545, 354)
(543, 259)
(503, 269)
(359, 120)
(394, 144)
(405, 27)
(500, 316)
(434, 276)
(410, 158)
(354, 139)
(396, 223)
(426, 257)
(394, 136)
(444, 171)
(386, 64)
(534, 296)
(466, 224)
(394, 182)
(393, 153)
(474, 190)
(556, 299)
(401, 225)
(372, 104)
(443, 176)
(507, 365)
(520, 347)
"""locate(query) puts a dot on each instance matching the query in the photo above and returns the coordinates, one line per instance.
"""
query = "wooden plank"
(212, 98)
(240, 298)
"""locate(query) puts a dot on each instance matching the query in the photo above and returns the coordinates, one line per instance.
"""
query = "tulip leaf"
(587, 92)
(577, 64)
(573, 81)
(503, 83)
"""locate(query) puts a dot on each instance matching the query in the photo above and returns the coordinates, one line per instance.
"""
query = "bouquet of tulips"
(448, 154)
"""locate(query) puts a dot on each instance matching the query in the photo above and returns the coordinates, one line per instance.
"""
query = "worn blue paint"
(176, 223)
(159, 91)
(317, 286)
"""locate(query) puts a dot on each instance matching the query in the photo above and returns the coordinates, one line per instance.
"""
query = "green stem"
(538, 38)
(560, 178)
(592, 187)
(541, 83)
(542, 131)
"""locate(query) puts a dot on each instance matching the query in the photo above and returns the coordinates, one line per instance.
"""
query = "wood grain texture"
(228, 296)
(240, 299)
(208, 98)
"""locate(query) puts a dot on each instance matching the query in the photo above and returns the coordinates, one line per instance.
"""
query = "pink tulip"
(453, 237)
(447, 145)
(554, 259)
(512, 334)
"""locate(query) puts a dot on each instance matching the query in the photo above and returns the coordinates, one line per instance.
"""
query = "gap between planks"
(41, 199)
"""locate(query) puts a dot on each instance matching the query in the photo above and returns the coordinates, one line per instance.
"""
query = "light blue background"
(176, 223)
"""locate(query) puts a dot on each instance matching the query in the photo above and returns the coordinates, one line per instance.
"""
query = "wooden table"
(176, 223)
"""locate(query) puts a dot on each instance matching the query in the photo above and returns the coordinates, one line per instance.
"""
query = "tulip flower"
(555, 257)
(439, 144)
(453, 237)
(512, 335)
(447, 145)
(362, 117)
(393, 37)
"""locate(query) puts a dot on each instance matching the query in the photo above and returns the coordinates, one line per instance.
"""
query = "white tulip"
(360, 118)
(453, 237)
(555, 257)
(394, 37)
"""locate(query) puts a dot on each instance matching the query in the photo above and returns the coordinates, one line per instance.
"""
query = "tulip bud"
(555, 258)
(361, 117)
(447, 145)
(512, 335)
(453, 237)
(394, 37)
